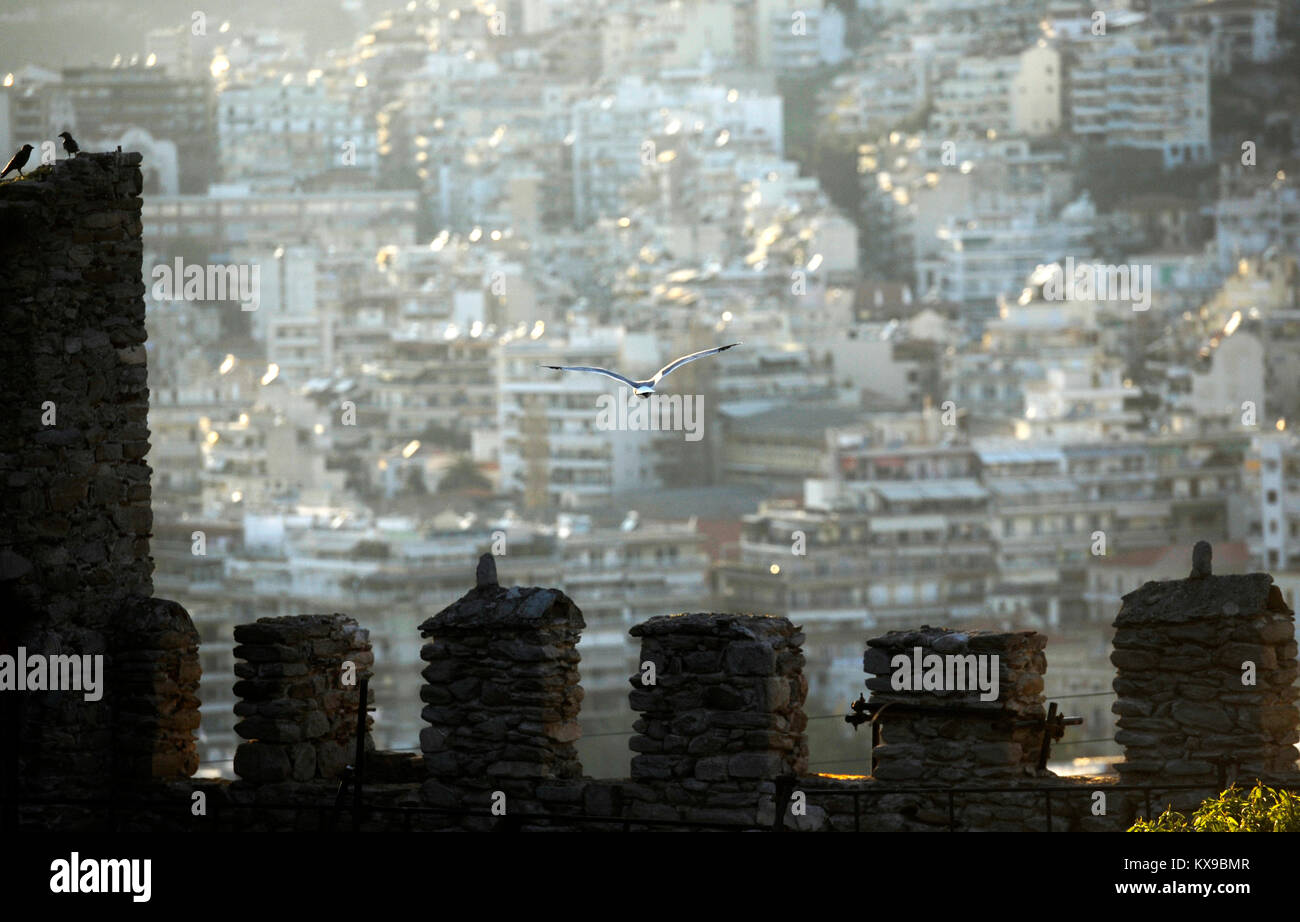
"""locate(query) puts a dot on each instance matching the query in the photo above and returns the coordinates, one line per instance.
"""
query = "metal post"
(781, 801)
(359, 780)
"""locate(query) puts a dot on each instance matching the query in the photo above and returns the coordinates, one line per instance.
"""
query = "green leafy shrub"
(1261, 809)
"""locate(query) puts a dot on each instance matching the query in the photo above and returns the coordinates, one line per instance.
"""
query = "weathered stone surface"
(724, 714)
(503, 696)
(294, 699)
(75, 567)
(1184, 707)
(966, 737)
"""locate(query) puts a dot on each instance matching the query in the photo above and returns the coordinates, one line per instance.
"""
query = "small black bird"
(69, 144)
(18, 162)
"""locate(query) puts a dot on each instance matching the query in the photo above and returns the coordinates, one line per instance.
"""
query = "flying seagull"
(645, 388)
(69, 144)
(18, 162)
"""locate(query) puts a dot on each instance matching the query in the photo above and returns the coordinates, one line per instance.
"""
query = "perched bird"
(18, 161)
(485, 577)
(647, 387)
(1202, 557)
(69, 144)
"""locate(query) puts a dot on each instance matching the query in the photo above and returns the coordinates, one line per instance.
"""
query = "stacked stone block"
(74, 414)
(723, 718)
(153, 685)
(949, 735)
(299, 719)
(502, 695)
(74, 403)
(1184, 651)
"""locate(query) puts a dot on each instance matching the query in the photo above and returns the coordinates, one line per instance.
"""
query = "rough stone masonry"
(298, 704)
(502, 695)
(951, 734)
(722, 718)
(74, 550)
(1205, 680)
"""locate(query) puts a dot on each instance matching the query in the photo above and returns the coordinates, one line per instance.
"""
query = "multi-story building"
(110, 101)
(779, 445)
(988, 250)
(1254, 213)
(996, 95)
(1238, 31)
(863, 555)
(1277, 544)
(427, 384)
(1143, 88)
(806, 38)
(618, 135)
(553, 451)
(290, 127)
(878, 93)
(235, 214)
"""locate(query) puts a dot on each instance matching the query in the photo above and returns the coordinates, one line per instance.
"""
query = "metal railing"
(115, 815)
(949, 794)
(117, 811)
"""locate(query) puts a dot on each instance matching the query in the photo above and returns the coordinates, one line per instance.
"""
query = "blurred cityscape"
(932, 419)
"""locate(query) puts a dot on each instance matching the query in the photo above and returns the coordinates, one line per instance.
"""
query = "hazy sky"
(59, 33)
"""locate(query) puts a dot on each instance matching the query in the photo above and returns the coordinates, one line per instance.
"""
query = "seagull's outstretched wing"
(599, 371)
(678, 363)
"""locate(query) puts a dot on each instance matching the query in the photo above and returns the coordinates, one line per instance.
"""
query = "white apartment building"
(552, 450)
(1003, 94)
(991, 249)
(1277, 546)
(806, 38)
(290, 126)
(237, 214)
(616, 136)
(1142, 88)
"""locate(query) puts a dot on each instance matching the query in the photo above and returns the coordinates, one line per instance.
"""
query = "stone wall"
(937, 733)
(77, 513)
(154, 682)
(298, 709)
(949, 734)
(1011, 805)
(502, 695)
(74, 544)
(721, 718)
(720, 736)
(1205, 673)
(720, 733)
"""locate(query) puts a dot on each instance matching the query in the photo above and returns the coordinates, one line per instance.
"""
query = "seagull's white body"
(647, 387)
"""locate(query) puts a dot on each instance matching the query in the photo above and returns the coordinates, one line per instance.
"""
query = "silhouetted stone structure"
(75, 570)
(1205, 678)
(1205, 683)
(724, 713)
(502, 695)
(299, 716)
(154, 680)
(950, 734)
